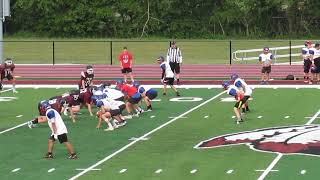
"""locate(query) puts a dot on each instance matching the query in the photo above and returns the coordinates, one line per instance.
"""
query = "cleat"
(127, 117)
(164, 94)
(65, 112)
(48, 156)
(148, 110)
(73, 156)
(135, 115)
(178, 94)
(14, 91)
(109, 129)
(30, 124)
(123, 123)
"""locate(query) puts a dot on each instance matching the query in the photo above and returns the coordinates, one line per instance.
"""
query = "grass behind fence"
(144, 52)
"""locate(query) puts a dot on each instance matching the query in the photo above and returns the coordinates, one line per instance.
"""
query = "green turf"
(82, 51)
(170, 148)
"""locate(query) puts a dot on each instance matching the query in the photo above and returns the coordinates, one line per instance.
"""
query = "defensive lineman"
(58, 132)
(243, 86)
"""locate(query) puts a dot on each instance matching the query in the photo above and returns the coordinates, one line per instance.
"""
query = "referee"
(174, 57)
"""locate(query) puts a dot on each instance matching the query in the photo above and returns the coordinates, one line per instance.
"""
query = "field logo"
(304, 139)
(186, 99)
(6, 99)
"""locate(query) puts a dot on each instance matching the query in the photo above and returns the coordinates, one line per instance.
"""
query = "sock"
(247, 108)
(14, 87)
(35, 121)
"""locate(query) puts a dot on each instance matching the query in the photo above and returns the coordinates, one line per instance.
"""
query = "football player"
(147, 94)
(238, 95)
(58, 132)
(243, 86)
(6, 71)
(167, 77)
(86, 77)
(73, 103)
(307, 62)
(85, 98)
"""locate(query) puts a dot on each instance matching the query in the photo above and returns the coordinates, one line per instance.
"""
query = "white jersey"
(54, 117)
(97, 92)
(306, 52)
(315, 52)
(266, 58)
(110, 104)
(168, 72)
(242, 85)
(113, 93)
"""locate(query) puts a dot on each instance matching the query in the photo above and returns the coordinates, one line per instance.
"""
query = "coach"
(174, 57)
(126, 59)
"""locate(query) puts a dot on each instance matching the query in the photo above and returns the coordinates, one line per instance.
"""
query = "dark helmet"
(89, 69)
(225, 84)
(160, 58)
(234, 76)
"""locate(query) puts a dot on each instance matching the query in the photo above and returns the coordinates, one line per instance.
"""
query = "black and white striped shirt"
(174, 55)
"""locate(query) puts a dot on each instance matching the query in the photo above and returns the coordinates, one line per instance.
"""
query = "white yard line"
(51, 170)
(15, 170)
(275, 161)
(79, 169)
(7, 130)
(145, 135)
(6, 90)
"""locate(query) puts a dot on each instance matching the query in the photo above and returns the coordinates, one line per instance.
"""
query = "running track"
(196, 72)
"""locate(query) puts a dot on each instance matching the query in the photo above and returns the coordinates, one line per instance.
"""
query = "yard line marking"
(206, 116)
(156, 100)
(145, 135)
(19, 116)
(303, 172)
(139, 139)
(20, 125)
(233, 117)
(230, 171)
(122, 171)
(16, 169)
(311, 117)
(193, 171)
(51, 170)
(158, 171)
(81, 169)
(259, 117)
(6, 90)
(286, 117)
(152, 116)
(261, 170)
(275, 161)
(177, 117)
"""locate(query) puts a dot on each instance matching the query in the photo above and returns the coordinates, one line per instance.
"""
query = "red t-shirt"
(129, 90)
(125, 59)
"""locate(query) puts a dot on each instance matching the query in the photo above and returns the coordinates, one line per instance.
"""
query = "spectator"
(125, 59)
(174, 57)
(265, 60)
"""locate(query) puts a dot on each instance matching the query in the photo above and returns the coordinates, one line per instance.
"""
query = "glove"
(55, 136)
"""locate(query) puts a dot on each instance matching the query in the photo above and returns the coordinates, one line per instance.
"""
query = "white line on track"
(158, 171)
(230, 171)
(275, 161)
(145, 135)
(51, 170)
(122, 171)
(81, 169)
(193, 171)
(16, 169)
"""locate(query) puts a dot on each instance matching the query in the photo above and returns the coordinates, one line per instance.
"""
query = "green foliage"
(167, 18)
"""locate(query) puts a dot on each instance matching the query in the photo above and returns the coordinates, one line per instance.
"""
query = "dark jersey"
(85, 96)
(55, 103)
(87, 78)
(73, 99)
(6, 71)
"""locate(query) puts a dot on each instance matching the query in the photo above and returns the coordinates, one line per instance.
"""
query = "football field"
(192, 137)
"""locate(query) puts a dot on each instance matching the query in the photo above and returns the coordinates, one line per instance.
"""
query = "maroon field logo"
(304, 139)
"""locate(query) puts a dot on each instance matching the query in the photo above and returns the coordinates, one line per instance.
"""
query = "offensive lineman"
(6, 71)
(242, 85)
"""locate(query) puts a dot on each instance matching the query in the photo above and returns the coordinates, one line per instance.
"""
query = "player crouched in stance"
(86, 77)
(58, 132)
(6, 71)
(73, 104)
(110, 111)
(147, 94)
(167, 77)
(242, 86)
(238, 95)
(56, 103)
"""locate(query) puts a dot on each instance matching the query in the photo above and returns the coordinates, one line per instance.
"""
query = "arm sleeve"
(311, 52)
(51, 116)
(303, 51)
(238, 84)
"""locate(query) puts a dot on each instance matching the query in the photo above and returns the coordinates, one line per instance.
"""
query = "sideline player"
(6, 71)
(58, 132)
(315, 57)
(86, 78)
(265, 59)
(242, 85)
(167, 77)
(238, 95)
(126, 60)
(307, 62)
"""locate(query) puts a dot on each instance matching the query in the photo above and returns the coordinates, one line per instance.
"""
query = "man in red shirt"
(6, 71)
(125, 59)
